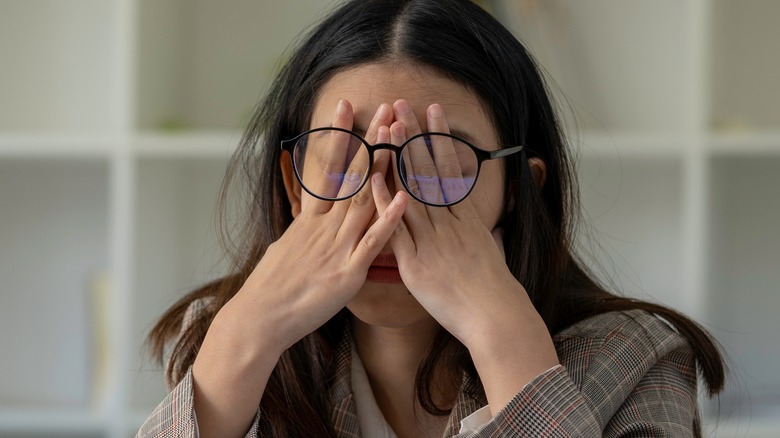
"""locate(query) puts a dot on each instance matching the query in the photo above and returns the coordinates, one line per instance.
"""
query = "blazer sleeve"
(633, 376)
(175, 416)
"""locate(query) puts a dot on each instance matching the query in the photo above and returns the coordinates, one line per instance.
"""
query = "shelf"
(747, 143)
(748, 427)
(635, 254)
(177, 249)
(48, 146)
(199, 144)
(54, 238)
(745, 65)
(629, 145)
(51, 423)
(203, 65)
(57, 66)
(604, 75)
(743, 278)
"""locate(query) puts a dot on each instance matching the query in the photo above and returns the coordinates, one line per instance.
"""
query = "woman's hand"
(322, 259)
(450, 261)
(304, 279)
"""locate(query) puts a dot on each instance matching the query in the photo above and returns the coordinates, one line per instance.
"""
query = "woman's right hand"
(322, 259)
(304, 279)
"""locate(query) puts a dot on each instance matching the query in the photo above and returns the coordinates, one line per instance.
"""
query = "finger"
(325, 161)
(380, 232)
(357, 167)
(382, 158)
(416, 213)
(404, 114)
(379, 132)
(360, 169)
(362, 207)
(401, 241)
(418, 164)
(382, 117)
(455, 161)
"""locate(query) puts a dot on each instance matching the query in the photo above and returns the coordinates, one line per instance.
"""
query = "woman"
(394, 282)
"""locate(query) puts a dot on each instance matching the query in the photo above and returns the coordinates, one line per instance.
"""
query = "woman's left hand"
(454, 265)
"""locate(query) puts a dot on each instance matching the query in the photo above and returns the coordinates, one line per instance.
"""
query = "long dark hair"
(457, 39)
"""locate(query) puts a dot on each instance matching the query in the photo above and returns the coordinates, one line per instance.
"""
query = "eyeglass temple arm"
(500, 153)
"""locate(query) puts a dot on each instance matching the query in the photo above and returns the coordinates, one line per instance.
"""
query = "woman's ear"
(538, 174)
(538, 171)
(291, 184)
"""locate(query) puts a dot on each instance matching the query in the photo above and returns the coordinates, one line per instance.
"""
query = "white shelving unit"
(118, 118)
(679, 139)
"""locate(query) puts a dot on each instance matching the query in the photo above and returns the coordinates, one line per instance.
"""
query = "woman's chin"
(387, 304)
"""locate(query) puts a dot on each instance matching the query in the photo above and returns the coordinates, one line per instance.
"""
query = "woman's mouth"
(384, 269)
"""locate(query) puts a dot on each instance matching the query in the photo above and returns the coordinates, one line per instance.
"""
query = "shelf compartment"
(203, 65)
(604, 75)
(632, 223)
(743, 280)
(58, 71)
(176, 250)
(54, 235)
(745, 65)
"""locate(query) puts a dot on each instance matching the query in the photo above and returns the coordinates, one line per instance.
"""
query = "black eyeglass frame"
(481, 154)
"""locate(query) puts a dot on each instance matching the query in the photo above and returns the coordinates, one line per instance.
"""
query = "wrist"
(508, 353)
(252, 327)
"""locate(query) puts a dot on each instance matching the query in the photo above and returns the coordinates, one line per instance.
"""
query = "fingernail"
(402, 106)
(383, 112)
(341, 109)
(378, 179)
(435, 111)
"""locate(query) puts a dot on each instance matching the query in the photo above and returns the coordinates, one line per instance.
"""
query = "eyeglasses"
(437, 169)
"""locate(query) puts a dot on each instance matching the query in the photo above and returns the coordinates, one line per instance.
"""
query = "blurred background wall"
(117, 118)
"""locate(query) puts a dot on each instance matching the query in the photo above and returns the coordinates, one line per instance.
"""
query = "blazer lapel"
(471, 397)
(344, 414)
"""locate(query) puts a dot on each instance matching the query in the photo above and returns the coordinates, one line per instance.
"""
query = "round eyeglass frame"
(481, 154)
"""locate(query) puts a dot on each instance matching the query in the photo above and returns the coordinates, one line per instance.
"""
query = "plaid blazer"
(622, 374)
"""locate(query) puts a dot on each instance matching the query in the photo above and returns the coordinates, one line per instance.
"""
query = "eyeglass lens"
(437, 169)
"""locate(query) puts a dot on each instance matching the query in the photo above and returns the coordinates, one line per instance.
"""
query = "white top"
(373, 423)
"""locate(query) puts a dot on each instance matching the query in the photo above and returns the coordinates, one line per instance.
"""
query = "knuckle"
(353, 176)
(325, 165)
(450, 169)
(361, 198)
(370, 240)
(428, 169)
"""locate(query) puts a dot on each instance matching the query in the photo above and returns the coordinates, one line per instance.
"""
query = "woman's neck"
(391, 357)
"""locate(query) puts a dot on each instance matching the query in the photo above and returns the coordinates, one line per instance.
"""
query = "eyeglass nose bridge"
(385, 146)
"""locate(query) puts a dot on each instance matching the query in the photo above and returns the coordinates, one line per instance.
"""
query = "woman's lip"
(385, 261)
(379, 274)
